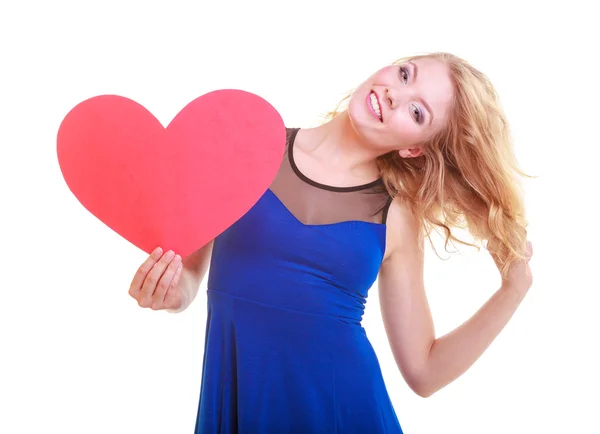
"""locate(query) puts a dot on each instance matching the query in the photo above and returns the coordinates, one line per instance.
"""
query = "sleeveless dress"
(285, 351)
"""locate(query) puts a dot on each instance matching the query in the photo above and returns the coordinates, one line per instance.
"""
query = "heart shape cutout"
(176, 187)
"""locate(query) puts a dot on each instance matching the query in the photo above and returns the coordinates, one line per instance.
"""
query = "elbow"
(422, 391)
(422, 387)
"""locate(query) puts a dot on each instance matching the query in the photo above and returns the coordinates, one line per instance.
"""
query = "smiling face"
(401, 106)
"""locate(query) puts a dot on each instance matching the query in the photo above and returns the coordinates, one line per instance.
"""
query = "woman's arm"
(192, 273)
(428, 364)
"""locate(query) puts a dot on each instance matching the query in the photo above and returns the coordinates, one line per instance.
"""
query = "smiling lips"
(374, 107)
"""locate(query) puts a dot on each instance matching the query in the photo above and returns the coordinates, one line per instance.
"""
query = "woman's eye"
(416, 111)
(404, 74)
(417, 114)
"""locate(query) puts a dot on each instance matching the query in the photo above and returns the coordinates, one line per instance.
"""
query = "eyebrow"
(415, 72)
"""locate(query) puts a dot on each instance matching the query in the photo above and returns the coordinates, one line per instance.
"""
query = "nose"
(391, 98)
(397, 97)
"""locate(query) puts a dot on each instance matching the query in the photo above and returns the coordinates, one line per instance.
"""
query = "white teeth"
(375, 105)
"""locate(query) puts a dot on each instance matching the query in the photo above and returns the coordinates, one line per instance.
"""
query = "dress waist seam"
(341, 320)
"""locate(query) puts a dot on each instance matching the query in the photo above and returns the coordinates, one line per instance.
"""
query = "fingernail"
(157, 252)
(177, 258)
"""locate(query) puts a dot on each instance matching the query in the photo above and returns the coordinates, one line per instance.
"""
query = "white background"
(80, 356)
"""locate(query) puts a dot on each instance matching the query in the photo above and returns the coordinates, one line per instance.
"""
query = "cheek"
(405, 130)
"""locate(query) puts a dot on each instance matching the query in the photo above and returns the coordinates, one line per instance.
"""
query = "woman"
(422, 145)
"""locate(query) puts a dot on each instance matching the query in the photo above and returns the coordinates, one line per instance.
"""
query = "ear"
(410, 153)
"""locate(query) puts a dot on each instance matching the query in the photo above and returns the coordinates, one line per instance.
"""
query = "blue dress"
(285, 351)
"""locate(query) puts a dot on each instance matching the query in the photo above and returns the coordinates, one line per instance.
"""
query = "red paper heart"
(176, 187)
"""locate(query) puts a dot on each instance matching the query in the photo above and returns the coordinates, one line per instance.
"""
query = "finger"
(153, 277)
(177, 276)
(173, 295)
(164, 283)
(138, 279)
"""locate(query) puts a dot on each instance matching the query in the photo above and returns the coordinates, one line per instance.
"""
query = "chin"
(360, 117)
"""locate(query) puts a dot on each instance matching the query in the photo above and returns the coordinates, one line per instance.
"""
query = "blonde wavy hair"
(468, 176)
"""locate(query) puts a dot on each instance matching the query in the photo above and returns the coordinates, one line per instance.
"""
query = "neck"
(337, 143)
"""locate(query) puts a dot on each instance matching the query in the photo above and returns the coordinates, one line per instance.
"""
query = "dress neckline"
(308, 180)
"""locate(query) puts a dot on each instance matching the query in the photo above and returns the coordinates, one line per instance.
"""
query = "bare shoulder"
(402, 229)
